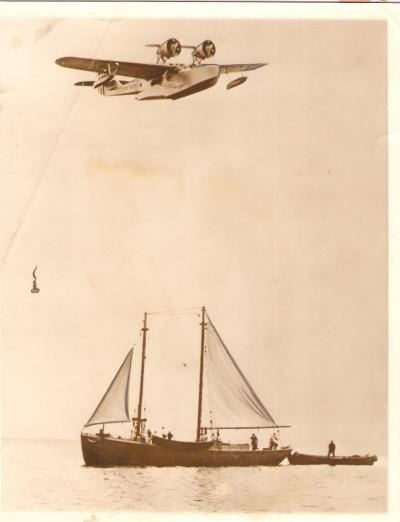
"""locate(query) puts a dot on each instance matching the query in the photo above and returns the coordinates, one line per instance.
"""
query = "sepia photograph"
(195, 260)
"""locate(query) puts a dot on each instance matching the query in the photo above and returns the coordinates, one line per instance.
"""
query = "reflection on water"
(49, 475)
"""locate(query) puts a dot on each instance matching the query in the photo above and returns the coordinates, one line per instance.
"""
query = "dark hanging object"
(34, 289)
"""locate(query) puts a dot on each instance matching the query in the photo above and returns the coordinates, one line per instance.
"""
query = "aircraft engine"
(205, 50)
(169, 49)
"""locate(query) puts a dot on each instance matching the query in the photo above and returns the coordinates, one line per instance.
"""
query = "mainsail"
(114, 406)
(232, 400)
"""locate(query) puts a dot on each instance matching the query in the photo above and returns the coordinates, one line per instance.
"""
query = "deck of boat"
(178, 445)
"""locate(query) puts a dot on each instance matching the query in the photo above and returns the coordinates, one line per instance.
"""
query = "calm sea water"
(50, 475)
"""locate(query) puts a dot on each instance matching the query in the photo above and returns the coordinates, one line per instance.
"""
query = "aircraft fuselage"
(183, 82)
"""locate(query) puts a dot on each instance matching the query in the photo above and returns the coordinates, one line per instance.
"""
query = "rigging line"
(175, 314)
(47, 162)
(193, 309)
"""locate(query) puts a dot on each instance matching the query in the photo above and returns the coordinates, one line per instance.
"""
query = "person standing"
(273, 442)
(254, 442)
(203, 436)
(331, 449)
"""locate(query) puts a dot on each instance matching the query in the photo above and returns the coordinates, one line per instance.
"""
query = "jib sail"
(114, 406)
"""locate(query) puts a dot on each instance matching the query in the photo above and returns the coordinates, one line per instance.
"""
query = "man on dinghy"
(331, 449)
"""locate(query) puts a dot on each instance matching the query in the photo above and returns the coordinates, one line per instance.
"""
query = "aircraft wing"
(237, 67)
(144, 71)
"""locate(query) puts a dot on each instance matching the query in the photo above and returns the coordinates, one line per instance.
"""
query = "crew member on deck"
(254, 442)
(273, 442)
(169, 435)
(331, 448)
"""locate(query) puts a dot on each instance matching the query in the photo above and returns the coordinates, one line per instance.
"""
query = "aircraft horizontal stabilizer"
(84, 84)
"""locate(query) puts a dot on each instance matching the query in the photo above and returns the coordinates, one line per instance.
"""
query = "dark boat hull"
(353, 460)
(107, 452)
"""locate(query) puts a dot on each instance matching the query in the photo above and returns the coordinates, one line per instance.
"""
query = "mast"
(139, 419)
(203, 328)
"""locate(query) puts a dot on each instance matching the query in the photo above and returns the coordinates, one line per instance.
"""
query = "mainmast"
(203, 328)
(139, 419)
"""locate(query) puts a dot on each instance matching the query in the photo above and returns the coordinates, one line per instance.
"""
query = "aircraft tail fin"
(84, 84)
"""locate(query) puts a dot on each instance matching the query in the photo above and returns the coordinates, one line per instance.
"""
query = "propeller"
(169, 49)
(202, 51)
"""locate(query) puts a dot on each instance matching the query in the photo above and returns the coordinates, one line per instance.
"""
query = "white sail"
(114, 406)
(232, 401)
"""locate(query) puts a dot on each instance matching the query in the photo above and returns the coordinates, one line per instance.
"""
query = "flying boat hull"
(187, 81)
(172, 86)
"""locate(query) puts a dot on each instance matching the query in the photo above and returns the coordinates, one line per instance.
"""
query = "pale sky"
(266, 203)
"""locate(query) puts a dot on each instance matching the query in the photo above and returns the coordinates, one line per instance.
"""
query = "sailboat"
(208, 447)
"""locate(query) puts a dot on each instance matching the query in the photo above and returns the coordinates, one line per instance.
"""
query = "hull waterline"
(109, 452)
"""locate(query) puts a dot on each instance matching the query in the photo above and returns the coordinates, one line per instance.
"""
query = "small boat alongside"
(352, 460)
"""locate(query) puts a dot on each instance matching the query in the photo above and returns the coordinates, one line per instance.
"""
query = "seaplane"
(162, 80)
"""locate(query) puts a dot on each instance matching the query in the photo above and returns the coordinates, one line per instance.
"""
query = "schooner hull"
(108, 452)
